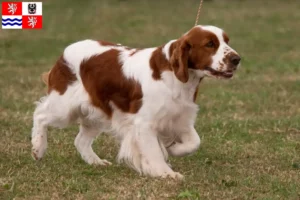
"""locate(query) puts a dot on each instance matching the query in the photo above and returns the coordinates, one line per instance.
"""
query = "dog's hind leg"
(39, 130)
(83, 143)
(50, 111)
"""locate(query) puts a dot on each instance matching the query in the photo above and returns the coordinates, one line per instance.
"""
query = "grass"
(249, 126)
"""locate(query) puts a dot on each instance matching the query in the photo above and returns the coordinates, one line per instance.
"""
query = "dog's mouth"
(226, 74)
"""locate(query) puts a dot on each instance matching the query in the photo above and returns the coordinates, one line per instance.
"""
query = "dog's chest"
(177, 116)
(173, 111)
(176, 110)
(171, 102)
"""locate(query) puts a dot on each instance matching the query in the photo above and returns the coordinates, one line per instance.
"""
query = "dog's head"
(32, 8)
(204, 49)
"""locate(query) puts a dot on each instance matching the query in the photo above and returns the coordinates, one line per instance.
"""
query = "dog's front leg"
(188, 141)
(153, 162)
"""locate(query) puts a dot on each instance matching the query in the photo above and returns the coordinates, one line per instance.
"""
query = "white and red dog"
(145, 97)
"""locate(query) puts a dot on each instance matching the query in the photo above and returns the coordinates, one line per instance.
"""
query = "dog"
(144, 97)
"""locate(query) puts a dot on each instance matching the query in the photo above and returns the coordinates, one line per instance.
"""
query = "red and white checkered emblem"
(22, 15)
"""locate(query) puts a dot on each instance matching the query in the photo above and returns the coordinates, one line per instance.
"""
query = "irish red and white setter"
(144, 97)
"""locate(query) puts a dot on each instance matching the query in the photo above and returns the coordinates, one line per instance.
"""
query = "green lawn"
(249, 126)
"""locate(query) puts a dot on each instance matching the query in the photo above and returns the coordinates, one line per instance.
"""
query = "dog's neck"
(162, 70)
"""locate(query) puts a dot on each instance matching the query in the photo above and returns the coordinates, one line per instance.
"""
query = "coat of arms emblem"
(31, 8)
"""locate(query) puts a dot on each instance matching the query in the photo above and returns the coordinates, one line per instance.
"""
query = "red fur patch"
(105, 83)
(60, 77)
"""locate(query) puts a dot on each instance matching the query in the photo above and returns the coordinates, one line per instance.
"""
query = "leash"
(198, 13)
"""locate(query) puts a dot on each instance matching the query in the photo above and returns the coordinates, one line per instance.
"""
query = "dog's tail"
(45, 77)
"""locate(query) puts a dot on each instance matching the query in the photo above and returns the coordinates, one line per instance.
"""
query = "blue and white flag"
(12, 22)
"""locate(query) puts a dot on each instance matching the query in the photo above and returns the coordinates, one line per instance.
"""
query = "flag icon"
(11, 8)
(11, 22)
(32, 22)
(22, 15)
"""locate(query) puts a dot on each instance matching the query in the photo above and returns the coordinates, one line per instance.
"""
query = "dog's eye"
(210, 44)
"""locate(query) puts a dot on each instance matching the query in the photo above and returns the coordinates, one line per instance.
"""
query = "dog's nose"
(235, 60)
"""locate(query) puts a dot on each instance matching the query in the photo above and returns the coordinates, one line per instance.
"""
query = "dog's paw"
(104, 162)
(39, 146)
(36, 154)
(92, 160)
(173, 175)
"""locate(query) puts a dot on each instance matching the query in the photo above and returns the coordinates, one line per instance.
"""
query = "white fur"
(166, 49)
(163, 125)
(218, 57)
(75, 53)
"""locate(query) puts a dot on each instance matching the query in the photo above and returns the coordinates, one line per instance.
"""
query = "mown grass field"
(249, 126)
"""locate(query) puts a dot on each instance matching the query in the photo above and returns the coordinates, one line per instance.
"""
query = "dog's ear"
(179, 60)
